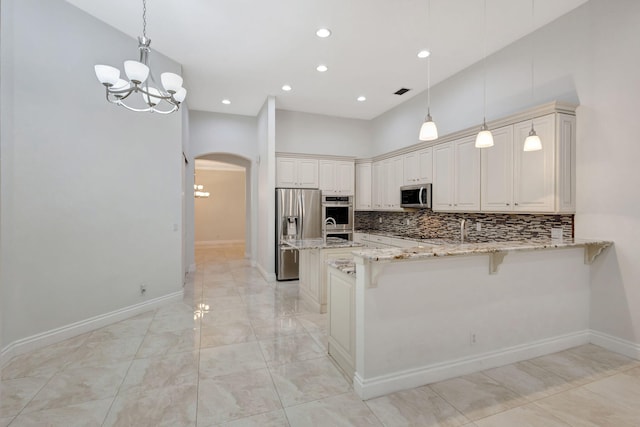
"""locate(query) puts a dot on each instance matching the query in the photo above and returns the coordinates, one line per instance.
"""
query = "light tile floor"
(252, 356)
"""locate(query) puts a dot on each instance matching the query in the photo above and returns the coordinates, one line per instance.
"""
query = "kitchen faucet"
(463, 229)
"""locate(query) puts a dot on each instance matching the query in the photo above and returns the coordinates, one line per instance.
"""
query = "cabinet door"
(534, 172)
(344, 178)
(425, 166)
(496, 166)
(307, 172)
(363, 186)
(377, 185)
(565, 163)
(411, 168)
(286, 172)
(395, 181)
(327, 177)
(442, 196)
(466, 175)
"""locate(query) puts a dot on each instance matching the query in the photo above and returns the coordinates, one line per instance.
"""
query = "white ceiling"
(245, 50)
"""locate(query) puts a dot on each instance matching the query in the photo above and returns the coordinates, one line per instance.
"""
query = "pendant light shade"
(107, 75)
(428, 130)
(532, 143)
(171, 82)
(484, 138)
(136, 71)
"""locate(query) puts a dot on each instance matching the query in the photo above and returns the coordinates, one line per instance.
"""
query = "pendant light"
(484, 138)
(532, 142)
(428, 130)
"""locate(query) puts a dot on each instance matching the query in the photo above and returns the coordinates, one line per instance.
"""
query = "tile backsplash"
(426, 224)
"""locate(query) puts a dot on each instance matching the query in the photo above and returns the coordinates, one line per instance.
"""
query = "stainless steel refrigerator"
(298, 216)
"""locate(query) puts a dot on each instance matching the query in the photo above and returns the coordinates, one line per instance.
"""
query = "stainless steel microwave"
(415, 196)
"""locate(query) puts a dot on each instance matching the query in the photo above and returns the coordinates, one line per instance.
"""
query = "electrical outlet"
(556, 233)
(478, 226)
(143, 289)
(407, 221)
(473, 339)
(380, 219)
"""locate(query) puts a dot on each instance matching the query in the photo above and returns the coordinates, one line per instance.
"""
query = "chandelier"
(198, 191)
(141, 80)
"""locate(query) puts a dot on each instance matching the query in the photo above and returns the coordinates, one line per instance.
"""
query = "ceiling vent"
(401, 91)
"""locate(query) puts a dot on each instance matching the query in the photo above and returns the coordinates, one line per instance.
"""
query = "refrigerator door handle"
(301, 213)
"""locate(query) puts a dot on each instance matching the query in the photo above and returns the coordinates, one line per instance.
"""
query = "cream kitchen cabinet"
(418, 167)
(388, 177)
(294, 172)
(336, 177)
(535, 181)
(456, 173)
(363, 186)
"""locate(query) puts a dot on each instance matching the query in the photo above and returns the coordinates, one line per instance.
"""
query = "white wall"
(318, 134)
(266, 189)
(588, 56)
(90, 192)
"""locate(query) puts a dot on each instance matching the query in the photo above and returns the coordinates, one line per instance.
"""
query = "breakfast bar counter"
(406, 317)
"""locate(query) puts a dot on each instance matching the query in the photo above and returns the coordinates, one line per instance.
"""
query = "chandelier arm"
(169, 97)
(145, 110)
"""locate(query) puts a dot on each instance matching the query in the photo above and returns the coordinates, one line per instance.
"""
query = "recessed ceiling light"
(322, 68)
(323, 33)
(423, 54)
(362, 98)
(286, 88)
(226, 102)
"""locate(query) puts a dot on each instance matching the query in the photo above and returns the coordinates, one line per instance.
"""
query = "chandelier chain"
(144, 18)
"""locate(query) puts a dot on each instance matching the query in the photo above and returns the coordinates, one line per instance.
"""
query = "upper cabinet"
(294, 172)
(363, 186)
(456, 174)
(514, 180)
(388, 177)
(336, 177)
(418, 167)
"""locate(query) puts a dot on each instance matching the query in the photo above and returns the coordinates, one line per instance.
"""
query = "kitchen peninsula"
(412, 316)
(314, 254)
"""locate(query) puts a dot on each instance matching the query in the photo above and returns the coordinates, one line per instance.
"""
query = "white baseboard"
(218, 242)
(411, 378)
(615, 344)
(269, 277)
(78, 328)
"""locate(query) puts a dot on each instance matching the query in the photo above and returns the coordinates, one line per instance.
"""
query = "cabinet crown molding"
(314, 156)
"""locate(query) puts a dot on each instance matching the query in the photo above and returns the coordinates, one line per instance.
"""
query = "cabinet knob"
(516, 204)
(507, 204)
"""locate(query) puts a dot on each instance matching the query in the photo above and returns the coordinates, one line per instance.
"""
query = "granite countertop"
(450, 249)
(346, 265)
(331, 243)
(429, 241)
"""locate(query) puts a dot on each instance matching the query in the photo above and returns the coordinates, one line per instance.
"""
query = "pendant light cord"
(484, 64)
(532, 44)
(428, 58)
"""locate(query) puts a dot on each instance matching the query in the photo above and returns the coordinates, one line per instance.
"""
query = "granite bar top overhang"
(346, 265)
(319, 243)
(497, 249)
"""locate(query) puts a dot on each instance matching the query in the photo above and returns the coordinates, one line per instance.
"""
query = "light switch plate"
(556, 233)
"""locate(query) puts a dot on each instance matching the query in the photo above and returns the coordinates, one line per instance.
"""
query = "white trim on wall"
(78, 328)
(615, 344)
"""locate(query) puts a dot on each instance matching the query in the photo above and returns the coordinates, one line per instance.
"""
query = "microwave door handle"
(420, 196)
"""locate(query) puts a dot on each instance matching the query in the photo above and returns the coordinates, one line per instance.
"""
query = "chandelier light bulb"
(180, 95)
(107, 75)
(171, 82)
(153, 98)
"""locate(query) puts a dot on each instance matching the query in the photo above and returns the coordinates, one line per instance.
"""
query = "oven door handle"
(420, 196)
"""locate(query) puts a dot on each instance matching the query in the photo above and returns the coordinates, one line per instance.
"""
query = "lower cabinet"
(313, 275)
(342, 319)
